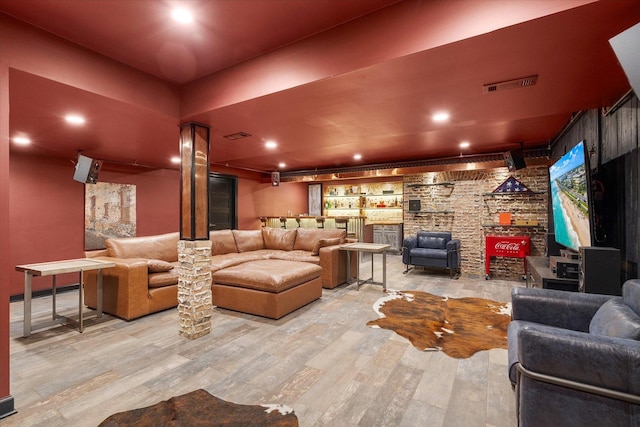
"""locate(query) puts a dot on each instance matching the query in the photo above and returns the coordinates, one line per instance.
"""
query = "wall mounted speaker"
(514, 160)
(275, 179)
(626, 46)
(87, 170)
(414, 205)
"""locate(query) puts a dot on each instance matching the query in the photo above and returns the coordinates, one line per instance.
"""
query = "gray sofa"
(431, 249)
(574, 358)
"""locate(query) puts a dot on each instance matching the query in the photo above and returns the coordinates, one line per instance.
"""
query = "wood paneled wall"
(613, 139)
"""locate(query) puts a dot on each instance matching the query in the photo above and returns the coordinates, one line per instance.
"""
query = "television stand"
(540, 275)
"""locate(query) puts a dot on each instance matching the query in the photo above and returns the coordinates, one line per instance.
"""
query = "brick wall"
(463, 208)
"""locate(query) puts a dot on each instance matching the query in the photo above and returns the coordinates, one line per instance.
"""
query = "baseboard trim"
(6, 407)
(44, 292)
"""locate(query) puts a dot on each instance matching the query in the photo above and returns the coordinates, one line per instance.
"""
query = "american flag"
(511, 185)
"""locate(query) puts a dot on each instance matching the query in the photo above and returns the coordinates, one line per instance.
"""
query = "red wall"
(46, 211)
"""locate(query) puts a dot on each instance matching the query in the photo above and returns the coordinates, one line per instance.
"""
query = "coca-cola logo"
(507, 246)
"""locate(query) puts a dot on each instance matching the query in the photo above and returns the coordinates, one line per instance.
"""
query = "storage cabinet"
(388, 234)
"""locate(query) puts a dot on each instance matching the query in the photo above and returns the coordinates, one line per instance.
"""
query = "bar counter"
(355, 223)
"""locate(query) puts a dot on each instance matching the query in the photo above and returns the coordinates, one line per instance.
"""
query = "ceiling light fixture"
(175, 159)
(440, 117)
(464, 144)
(357, 156)
(74, 119)
(270, 144)
(183, 16)
(281, 165)
(21, 140)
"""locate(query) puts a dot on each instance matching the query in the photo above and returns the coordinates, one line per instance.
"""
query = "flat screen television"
(570, 186)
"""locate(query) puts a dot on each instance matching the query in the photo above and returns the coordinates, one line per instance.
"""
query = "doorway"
(223, 202)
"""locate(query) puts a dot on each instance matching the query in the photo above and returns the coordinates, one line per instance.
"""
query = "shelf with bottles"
(382, 201)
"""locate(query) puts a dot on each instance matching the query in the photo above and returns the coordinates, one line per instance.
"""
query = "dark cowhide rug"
(199, 408)
(459, 327)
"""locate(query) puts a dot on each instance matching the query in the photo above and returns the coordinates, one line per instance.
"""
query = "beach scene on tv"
(569, 199)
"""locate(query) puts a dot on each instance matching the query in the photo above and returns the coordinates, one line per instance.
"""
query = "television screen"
(571, 199)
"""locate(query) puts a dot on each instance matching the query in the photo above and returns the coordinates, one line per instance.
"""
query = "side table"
(52, 269)
(372, 248)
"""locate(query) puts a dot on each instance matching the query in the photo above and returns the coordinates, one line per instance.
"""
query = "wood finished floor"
(322, 361)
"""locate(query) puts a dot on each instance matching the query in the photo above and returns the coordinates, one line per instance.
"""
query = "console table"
(53, 269)
(541, 276)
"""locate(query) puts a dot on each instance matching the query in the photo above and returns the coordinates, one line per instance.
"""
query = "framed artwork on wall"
(315, 199)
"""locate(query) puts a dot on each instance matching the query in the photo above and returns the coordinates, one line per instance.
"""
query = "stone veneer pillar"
(194, 288)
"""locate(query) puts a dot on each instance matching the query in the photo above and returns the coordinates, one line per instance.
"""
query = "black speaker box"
(414, 206)
(599, 270)
(275, 179)
(87, 170)
(514, 160)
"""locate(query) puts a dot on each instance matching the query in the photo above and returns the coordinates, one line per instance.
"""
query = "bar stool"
(320, 221)
(263, 221)
(298, 219)
(342, 223)
(283, 221)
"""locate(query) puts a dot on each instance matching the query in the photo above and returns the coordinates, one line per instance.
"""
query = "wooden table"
(372, 248)
(52, 269)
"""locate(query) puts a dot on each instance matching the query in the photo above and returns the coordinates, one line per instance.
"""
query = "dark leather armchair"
(574, 358)
(432, 249)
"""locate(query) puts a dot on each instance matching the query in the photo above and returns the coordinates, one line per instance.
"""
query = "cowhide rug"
(199, 408)
(460, 327)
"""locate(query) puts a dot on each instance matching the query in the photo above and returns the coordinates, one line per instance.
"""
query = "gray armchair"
(574, 358)
(432, 249)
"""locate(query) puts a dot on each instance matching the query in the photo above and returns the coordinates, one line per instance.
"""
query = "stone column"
(194, 247)
(194, 288)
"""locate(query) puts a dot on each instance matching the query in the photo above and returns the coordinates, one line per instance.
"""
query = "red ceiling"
(338, 82)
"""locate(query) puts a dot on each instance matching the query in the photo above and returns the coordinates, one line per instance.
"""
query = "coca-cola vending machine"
(506, 246)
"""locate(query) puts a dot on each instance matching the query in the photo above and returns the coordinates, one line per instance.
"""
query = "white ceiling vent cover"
(510, 84)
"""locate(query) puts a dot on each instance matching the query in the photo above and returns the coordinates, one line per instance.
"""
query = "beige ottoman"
(270, 288)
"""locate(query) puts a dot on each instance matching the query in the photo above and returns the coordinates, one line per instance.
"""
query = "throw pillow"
(325, 242)
(158, 266)
(616, 319)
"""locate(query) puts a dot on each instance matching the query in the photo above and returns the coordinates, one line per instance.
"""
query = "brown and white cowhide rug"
(459, 327)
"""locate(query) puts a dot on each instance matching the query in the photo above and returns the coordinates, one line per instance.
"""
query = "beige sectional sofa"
(146, 274)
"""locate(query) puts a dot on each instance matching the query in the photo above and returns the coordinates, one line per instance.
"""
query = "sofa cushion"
(431, 242)
(324, 243)
(162, 246)
(631, 294)
(167, 278)
(278, 238)
(615, 319)
(268, 275)
(222, 242)
(158, 266)
(248, 240)
(428, 253)
(308, 237)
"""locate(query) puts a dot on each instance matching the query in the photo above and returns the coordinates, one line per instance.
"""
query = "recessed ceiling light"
(357, 156)
(183, 16)
(440, 117)
(281, 165)
(21, 140)
(74, 119)
(175, 159)
(270, 144)
(464, 144)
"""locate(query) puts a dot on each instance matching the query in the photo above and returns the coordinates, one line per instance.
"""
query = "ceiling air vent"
(237, 135)
(510, 84)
